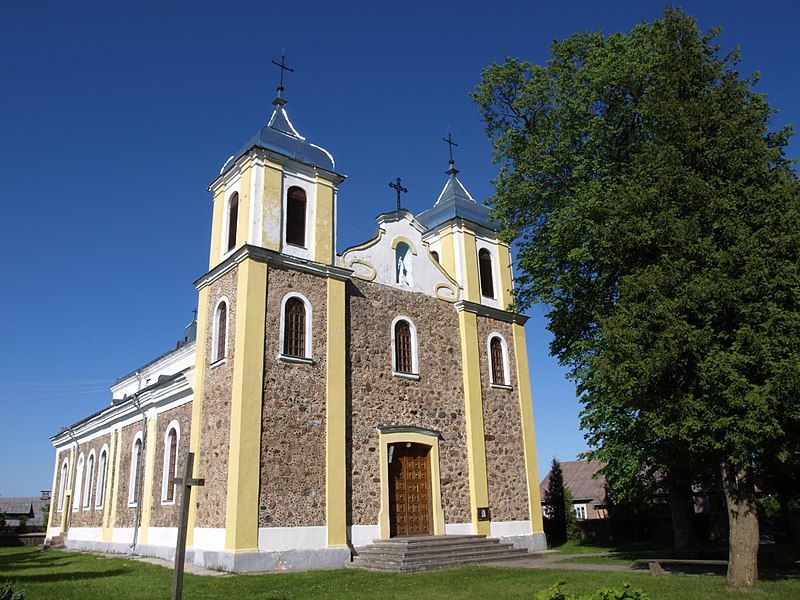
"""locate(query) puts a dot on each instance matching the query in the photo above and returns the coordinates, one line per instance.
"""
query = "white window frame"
(165, 475)
(497, 301)
(305, 183)
(414, 375)
(77, 488)
(506, 367)
(134, 468)
(62, 485)
(227, 218)
(100, 486)
(91, 459)
(308, 356)
(215, 331)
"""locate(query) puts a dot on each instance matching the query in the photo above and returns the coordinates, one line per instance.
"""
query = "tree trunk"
(681, 509)
(742, 526)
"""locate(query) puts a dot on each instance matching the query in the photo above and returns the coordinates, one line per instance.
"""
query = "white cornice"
(487, 311)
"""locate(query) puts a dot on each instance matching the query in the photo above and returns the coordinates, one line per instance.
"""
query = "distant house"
(588, 492)
(33, 509)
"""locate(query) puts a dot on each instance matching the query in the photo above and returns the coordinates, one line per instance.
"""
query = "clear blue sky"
(115, 119)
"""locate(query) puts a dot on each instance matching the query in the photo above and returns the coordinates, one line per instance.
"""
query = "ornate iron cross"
(398, 187)
(282, 66)
(449, 141)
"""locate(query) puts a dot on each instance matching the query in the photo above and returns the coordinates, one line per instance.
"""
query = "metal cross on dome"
(282, 66)
(449, 141)
(398, 187)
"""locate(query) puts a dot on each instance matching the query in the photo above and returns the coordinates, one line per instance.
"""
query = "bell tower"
(279, 192)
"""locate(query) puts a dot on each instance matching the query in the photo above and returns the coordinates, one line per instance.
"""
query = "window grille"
(294, 329)
(498, 366)
(403, 359)
(296, 217)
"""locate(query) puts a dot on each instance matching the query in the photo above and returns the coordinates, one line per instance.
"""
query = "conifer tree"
(563, 524)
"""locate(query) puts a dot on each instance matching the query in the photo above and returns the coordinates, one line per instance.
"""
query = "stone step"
(426, 558)
(439, 563)
(421, 548)
(403, 555)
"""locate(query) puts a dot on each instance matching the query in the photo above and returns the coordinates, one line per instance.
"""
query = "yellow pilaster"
(149, 475)
(197, 401)
(473, 411)
(272, 206)
(112, 519)
(336, 465)
(241, 525)
(469, 257)
(506, 275)
(528, 432)
(323, 228)
(447, 254)
(217, 220)
(109, 501)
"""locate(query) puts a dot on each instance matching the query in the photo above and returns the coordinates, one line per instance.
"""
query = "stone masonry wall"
(505, 457)
(212, 462)
(436, 401)
(126, 515)
(167, 515)
(88, 516)
(292, 489)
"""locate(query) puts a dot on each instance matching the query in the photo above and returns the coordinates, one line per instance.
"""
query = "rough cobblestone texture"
(166, 515)
(505, 458)
(126, 515)
(212, 462)
(292, 491)
(436, 401)
(89, 516)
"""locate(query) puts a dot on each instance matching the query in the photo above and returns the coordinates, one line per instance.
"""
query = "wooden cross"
(449, 140)
(399, 189)
(180, 550)
(282, 66)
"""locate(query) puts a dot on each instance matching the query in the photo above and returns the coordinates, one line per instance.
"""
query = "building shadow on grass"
(66, 576)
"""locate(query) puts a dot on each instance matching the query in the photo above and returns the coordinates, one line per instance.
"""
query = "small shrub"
(7, 592)
(554, 592)
(23, 525)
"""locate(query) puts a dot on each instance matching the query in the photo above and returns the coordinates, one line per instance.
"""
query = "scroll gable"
(398, 257)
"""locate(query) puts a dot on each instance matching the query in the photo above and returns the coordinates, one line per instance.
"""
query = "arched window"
(499, 374)
(87, 492)
(402, 264)
(77, 486)
(296, 217)
(219, 343)
(294, 328)
(485, 267)
(170, 463)
(435, 255)
(102, 467)
(404, 347)
(136, 461)
(233, 219)
(62, 484)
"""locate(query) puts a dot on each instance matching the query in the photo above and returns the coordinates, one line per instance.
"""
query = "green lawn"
(63, 575)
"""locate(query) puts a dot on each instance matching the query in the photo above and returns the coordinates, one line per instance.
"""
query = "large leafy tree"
(657, 216)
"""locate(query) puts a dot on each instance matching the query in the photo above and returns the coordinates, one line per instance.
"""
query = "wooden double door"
(410, 489)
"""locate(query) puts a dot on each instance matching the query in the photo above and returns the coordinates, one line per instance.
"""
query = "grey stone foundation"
(534, 542)
(259, 562)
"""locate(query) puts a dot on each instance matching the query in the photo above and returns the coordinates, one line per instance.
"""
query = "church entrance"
(410, 489)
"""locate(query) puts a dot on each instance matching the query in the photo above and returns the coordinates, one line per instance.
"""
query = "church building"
(329, 399)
